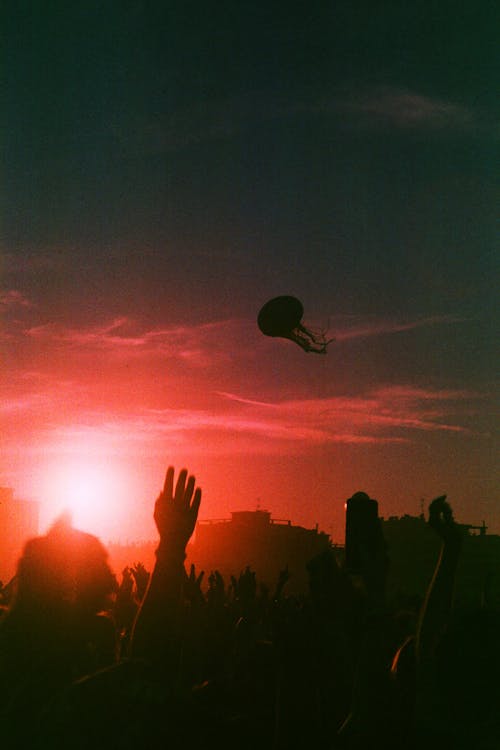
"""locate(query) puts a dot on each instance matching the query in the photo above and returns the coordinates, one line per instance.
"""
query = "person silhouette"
(54, 631)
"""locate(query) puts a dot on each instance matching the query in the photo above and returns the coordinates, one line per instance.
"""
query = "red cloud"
(12, 298)
(374, 415)
(345, 328)
(404, 108)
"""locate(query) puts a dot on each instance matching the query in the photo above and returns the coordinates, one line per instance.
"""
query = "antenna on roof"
(422, 503)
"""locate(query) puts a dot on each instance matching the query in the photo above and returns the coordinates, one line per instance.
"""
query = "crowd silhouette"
(186, 659)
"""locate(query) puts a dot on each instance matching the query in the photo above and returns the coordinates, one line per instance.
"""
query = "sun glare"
(91, 492)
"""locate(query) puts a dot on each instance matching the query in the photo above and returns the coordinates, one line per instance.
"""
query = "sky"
(169, 167)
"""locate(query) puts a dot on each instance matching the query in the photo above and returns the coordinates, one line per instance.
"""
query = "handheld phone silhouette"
(362, 530)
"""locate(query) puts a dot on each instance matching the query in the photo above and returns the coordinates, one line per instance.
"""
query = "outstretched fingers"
(177, 505)
(180, 488)
(184, 491)
(188, 492)
(168, 485)
(195, 505)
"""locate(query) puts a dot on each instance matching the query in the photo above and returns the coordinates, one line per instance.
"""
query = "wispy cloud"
(387, 415)
(390, 413)
(197, 344)
(124, 335)
(14, 299)
(207, 432)
(346, 327)
(395, 107)
(216, 344)
(48, 397)
(115, 333)
(32, 262)
(404, 108)
(30, 402)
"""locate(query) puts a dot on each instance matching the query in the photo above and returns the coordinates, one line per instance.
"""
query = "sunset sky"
(169, 167)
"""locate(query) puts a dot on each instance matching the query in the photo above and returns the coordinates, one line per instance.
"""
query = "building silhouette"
(256, 539)
(267, 545)
(413, 549)
(18, 522)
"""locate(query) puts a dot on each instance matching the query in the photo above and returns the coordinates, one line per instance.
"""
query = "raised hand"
(234, 587)
(158, 628)
(247, 585)
(127, 584)
(437, 606)
(141, 578)
(284, 577)
(216, 589)
(176, 511)
(192, 587)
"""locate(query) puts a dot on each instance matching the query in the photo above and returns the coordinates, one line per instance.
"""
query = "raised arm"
(436, 609)
(156, 635)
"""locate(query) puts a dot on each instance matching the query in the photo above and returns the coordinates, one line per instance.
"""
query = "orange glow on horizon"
(91, 490)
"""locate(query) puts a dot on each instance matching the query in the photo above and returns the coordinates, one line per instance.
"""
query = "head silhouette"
(66, 569)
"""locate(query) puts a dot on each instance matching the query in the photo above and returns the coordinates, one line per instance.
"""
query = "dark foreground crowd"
(170, 660)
